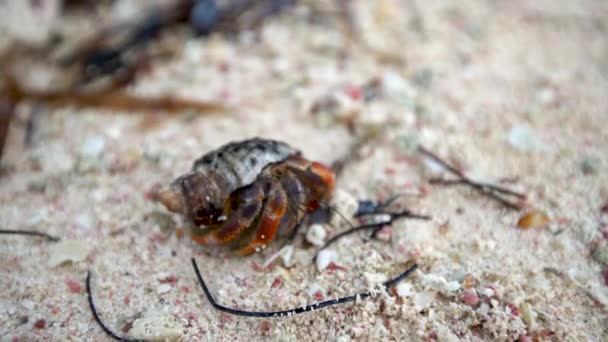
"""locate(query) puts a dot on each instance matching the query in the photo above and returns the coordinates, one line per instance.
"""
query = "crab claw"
(171, 199)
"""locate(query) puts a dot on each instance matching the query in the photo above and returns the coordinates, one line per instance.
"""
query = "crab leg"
(248, 204)
(271, 214)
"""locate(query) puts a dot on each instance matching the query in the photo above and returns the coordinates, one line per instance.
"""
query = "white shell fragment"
(423, 300)
(316, 235)
(156, 326)
(163, 288)
(439, 283)
(285, 254)
(324, 258)
(404, 289)
(68, 251)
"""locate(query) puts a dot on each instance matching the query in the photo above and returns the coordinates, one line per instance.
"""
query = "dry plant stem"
(107, 330)
(376, 227)
(121, 101)
(486, 189)
(303, 309)
(29, 233)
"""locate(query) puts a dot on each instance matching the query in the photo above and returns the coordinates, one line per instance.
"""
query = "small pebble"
(546, 96)
(404, 289)
(488, 292)
(439, 283)
(156, 326)
(163, 288)
(93, 147)
(590, 165)
(68, 251)
(533, 219)
(470, 297)
(324, 258)
(423, 300)
(316, 235)
(523, 138)
(265, 326)
(527, 315)
(40, 324)
(468, 281)
(73, 285)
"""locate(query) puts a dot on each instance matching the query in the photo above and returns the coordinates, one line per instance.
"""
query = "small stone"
(488, 292)
(156, 326)
(324, 258)
(445, 334)
(470, 297)
(522, 138)
(396, 86)
(590, 165)
(316, 235)
(93, 147)
(163, 288)
(404, 289)
(546, 96)
(533, 219)
(73, 285)
(68, 251)
(468, 281)
(40, 324)
(28, 304)
(527, 315)
(439, 283)
(423, 300)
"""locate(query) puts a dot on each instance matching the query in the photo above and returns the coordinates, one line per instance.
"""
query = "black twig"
(107, 330)
(30, 233)
(490, 190)
(302, 309)
(376, 226)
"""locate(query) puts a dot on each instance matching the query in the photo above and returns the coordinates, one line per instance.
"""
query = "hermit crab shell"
(219, 172)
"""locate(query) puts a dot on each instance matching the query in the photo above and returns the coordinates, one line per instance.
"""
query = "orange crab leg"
(326, 174)
(249, 204)
(270, 218)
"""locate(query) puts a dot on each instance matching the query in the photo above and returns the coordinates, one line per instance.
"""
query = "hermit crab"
(244, 194)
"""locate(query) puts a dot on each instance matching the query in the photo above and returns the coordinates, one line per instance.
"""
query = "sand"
(512, 91)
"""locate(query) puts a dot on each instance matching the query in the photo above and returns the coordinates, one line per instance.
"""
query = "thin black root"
(107, 330)
(29, 233)
(374, 227)
(492, 191)
(312, 307)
